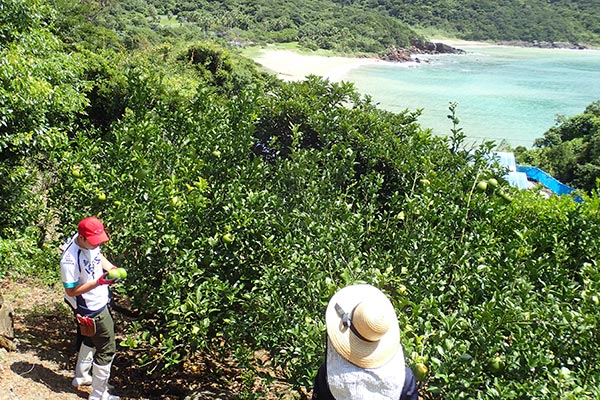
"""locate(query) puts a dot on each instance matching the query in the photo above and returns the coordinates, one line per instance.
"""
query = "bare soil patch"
(42, 366)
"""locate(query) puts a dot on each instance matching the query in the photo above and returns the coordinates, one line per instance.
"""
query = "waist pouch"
(87, 325)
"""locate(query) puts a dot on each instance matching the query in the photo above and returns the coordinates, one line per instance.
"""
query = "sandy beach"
(291, 66)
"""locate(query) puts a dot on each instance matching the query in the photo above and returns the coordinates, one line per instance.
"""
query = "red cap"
(92, 230)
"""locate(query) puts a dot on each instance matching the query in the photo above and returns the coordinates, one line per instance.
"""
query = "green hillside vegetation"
(509, 20)
(570, 151)
(313, 24)
(239, 204)
(349, 27)
(352, 26)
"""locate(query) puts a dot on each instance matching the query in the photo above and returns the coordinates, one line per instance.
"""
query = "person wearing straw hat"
(364, 357)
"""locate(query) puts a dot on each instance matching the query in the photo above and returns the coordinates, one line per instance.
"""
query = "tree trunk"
(7, 331)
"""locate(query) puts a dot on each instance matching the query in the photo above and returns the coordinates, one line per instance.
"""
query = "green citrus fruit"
(113, 274)
(122, 273)
(76, 172)
(482, 186)
(420, 371)
(492, 183)
(228, 238)
(495, 365)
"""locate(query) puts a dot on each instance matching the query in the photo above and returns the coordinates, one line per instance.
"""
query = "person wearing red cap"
(84, 275)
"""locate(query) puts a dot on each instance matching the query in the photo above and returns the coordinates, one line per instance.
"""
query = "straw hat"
(362, 326)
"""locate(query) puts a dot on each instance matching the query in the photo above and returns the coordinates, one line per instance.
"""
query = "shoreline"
(463, 43)
(289, 65)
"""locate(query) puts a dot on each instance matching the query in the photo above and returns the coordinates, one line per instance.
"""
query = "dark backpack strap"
(321, 388)
(410, 390)
(78, 258)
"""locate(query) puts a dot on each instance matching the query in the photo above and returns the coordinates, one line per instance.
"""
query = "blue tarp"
(550, 182)
(542, 177)
(519, 175)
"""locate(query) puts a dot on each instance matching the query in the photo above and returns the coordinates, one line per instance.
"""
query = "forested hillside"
(327, 24)
(359, 26)
(507, 20)
(239, 204)
(570, 151)
(314, 24)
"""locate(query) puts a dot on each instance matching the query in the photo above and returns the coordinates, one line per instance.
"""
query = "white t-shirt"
(79, 266)
(346, 381)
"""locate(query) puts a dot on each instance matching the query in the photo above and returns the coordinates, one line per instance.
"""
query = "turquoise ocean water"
(503, 93)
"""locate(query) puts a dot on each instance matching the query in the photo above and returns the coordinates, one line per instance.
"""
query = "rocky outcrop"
(425, 47)
(419, 46)
(398, 55)
(7, 331)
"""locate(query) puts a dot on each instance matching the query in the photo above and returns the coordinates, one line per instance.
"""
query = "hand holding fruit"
(105, 279)
(112, 276)
(117, 273)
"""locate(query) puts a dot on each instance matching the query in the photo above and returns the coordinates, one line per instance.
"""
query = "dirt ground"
(42, 366)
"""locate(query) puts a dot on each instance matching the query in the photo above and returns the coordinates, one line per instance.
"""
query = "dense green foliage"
(570, 151)
(354, 26)
(367, 25)
(41, 95)
(240, 204)
(312, 23)
(534, 20)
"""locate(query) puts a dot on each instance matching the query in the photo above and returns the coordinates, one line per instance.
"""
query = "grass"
(253, 51)
(165, 20)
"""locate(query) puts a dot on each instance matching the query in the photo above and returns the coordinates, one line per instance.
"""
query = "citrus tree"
(239, 204)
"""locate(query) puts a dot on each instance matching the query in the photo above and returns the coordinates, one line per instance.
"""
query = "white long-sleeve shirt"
(77, 266)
